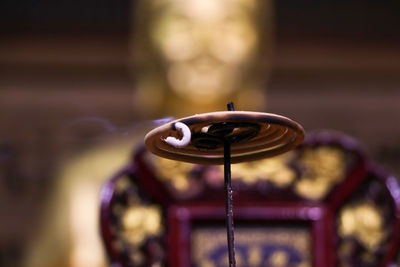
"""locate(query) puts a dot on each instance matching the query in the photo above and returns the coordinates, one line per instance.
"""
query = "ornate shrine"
(323, 204)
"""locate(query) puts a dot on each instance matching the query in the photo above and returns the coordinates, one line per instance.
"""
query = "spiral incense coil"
(252, 135)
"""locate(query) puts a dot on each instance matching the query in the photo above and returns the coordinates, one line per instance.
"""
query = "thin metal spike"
(229, 197)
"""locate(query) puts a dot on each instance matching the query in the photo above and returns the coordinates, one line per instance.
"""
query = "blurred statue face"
(204, 44)
(203, 53)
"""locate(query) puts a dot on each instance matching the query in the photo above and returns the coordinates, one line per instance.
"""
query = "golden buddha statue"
(194, 56)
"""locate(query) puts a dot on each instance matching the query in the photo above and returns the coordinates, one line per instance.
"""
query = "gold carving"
(255, 256)
(140, 222)
(323, 168)
(275, 170)
(122, 184)
(279, 259)
(363, 222)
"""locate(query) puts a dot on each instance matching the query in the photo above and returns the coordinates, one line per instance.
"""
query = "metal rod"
(228, 198)
(228, 203)
(230, 106)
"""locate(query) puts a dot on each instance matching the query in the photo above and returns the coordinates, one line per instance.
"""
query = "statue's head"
(193, 56)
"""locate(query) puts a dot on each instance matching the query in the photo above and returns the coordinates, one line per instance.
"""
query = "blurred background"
(73, 100)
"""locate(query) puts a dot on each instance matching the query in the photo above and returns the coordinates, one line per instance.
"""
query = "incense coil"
(253, 135)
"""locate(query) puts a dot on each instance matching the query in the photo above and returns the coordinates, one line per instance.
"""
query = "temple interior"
(82, 82)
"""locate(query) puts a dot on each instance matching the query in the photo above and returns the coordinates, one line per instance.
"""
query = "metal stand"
(228, 198)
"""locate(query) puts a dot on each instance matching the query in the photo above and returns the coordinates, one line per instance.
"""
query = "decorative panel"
(255, 246)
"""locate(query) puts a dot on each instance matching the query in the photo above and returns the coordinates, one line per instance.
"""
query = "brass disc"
(253, 135)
